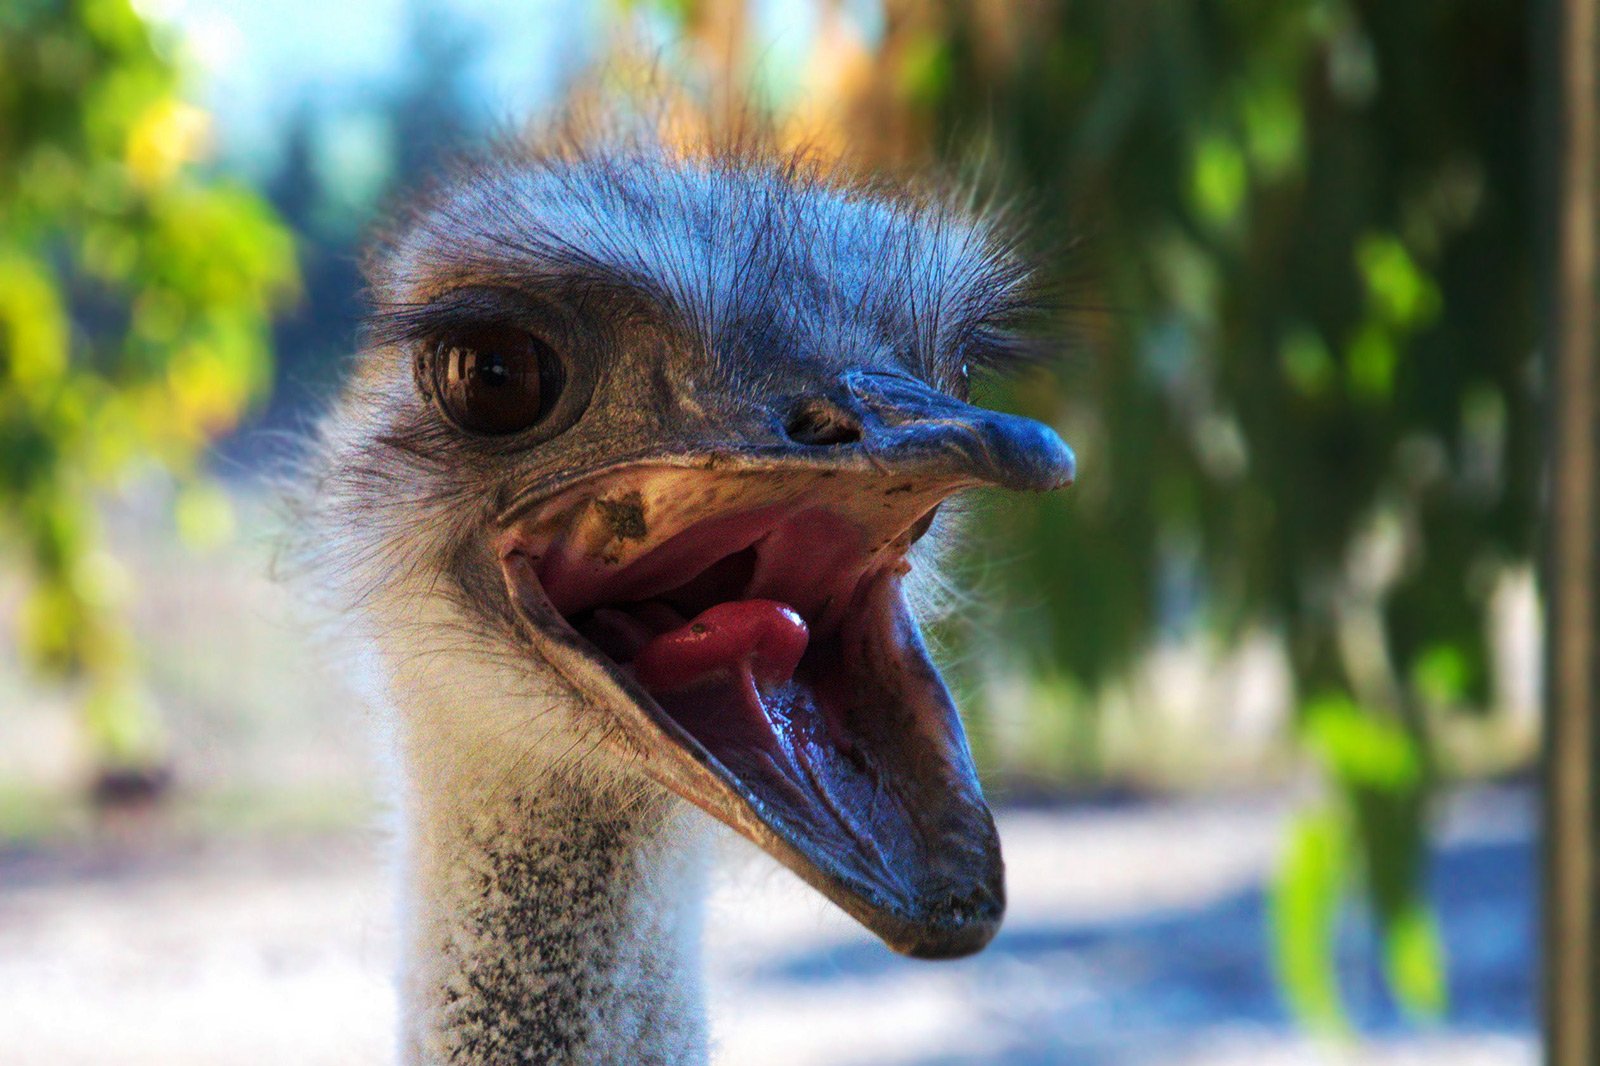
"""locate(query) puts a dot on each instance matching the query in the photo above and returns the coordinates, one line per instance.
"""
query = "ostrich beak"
(745, 618)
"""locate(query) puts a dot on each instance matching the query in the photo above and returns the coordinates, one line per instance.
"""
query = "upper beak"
(915, 429)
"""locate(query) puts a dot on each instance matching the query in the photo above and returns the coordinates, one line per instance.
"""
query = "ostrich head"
(632, 482)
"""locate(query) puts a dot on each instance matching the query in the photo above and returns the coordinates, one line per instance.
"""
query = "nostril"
(821, 423)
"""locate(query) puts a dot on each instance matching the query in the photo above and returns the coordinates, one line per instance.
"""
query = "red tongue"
(765, 637)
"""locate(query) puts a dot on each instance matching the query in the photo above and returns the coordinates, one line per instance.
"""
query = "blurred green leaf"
(1402, 293)
(1271, 116)
(1441, 674)
(925, 69)
(1219, 180)
(1306, 362)
(1361, 750)
(1370, 363)
(1305, 904)
(1414, 961)
(1380, 776)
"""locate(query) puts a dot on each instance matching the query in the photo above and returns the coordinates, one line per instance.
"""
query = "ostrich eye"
(496, 380)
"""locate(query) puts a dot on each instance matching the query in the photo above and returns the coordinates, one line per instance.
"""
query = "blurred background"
(1258, 698)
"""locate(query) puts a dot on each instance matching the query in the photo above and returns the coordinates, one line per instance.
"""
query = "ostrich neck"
(553, 917)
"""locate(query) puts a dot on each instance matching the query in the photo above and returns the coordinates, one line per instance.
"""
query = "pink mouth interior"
(812, 560)
(720, 675)
(767, 637)
(779, 643)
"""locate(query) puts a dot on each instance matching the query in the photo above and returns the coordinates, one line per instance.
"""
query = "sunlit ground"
(1135, 936)
(252, 920)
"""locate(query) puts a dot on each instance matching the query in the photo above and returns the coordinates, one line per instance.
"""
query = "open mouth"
(762, 629)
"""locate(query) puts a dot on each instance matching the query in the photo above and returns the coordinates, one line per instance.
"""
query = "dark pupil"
(494, 381)
(488, 368)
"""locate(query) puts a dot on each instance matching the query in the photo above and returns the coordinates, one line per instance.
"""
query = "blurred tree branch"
(1572, 574)
(135, 301)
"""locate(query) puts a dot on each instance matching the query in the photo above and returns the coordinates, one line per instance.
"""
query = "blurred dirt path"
(1134, 936)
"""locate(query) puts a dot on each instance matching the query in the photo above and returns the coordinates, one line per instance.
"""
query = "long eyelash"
(408, 323)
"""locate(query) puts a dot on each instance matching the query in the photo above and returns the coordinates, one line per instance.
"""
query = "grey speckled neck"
(557, 927)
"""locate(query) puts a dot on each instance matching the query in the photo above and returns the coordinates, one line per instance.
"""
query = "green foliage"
(1378, 775)
(1297, 251)
(1305, 917)
(135, 301)
(1313, 261)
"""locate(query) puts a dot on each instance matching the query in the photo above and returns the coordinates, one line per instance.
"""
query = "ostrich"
(628, 496)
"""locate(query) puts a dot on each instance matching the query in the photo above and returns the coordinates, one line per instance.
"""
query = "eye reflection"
(497, 380)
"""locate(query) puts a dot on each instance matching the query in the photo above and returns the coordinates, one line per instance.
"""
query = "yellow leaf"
(204, 515)
(33, 330)
(167, 135)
